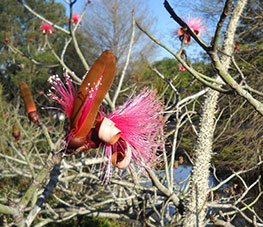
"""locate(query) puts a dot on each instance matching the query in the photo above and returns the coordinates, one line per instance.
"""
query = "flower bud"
(92, 90)
(16, 132)
(33, 115)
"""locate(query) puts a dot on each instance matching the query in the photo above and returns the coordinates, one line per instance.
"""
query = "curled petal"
(186, 38)
(121, 158)
(180, 32)
(140, 120)
(108, 133)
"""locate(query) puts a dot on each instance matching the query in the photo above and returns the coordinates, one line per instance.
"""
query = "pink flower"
(46, 28)
(75, 18)
(196, 25)
(65, 97)
(181, 68)
(140, 121)
(82, 108)
(65, 94)
(131, 132)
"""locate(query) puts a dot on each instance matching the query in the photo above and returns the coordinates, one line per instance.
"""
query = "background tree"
(108, 25)
(238, 120)
(24, 51)
(238, 135)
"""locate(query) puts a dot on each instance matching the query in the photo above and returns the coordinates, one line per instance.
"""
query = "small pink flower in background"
(41, 92)
(182, 68)
(75, 18)
(6, 114)
(197, 26)
(46, 28)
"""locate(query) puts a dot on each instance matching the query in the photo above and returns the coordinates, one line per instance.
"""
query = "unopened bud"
(33, 115)
(16, 132)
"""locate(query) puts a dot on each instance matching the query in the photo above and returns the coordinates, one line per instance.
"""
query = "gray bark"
(195, 206)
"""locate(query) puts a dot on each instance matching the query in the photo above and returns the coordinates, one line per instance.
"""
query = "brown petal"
(121, 158)
(102, 72)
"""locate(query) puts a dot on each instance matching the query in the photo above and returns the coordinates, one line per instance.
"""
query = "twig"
(247, 190)
(117, 91)
(187, 67)
(220, 24)
(233, 175)
(45, 132)
(72, 74)
(165, 79)
(73, 35)
(162, 188)
(54, 173)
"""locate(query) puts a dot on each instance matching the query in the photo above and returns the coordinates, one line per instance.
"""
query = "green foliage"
(169, 68)
(24, 51)
(250, 55)
(250, 28)
(72, 59)
(241, 143)
(239, 146)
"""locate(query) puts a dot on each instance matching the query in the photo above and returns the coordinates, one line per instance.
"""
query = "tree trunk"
(195, 206)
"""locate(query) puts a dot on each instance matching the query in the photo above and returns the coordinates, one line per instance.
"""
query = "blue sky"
(164, 26)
